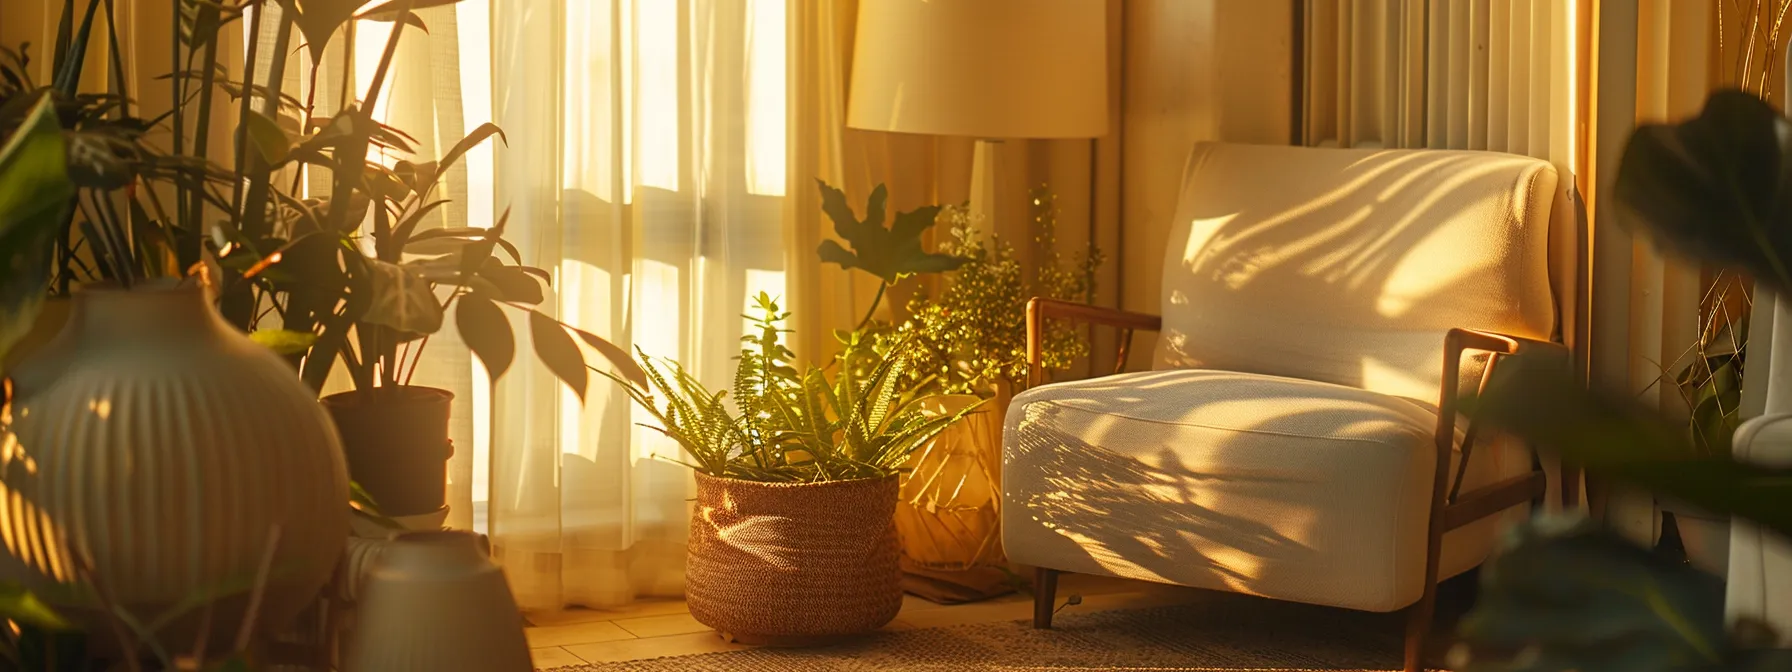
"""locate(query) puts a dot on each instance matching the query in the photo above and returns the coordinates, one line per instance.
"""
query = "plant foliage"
(890, 253)
(973, 334)
(786, 424)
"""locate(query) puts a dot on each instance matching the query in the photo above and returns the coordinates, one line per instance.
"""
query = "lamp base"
(986, 164)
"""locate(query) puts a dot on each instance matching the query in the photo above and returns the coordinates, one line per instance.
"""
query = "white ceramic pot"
(434, 602)
(155, 448)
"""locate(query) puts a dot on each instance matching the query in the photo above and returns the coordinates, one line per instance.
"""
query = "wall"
(1193, 70)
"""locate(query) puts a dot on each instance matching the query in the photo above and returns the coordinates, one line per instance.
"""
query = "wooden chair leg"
(1418, 628)
(1045, 597)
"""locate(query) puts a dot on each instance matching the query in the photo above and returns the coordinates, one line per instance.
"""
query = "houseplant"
(968, 342)
(359, 274)
(792, 539)
(1573, 596)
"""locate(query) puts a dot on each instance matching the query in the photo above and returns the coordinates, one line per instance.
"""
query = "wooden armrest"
(1041, 309)
(1454, 508)
(1459, 341)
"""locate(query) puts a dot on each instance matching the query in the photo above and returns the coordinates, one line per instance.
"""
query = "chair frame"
(1450, 507)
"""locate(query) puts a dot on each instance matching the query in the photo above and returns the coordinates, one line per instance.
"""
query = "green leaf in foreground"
(35, 192)
(19, 605)
(284, 342)
(1614, 436)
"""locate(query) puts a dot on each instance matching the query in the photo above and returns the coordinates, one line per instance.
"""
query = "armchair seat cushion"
(1285, 488)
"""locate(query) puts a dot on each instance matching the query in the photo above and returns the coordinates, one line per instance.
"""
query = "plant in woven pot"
(967, 341)
(792, 539)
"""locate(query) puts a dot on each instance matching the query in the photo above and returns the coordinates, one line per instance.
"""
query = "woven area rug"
(1226, 632)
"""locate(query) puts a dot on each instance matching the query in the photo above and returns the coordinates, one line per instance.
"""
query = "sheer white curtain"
(645, 168)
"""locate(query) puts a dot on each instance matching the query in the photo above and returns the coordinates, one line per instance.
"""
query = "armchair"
(1298, 436)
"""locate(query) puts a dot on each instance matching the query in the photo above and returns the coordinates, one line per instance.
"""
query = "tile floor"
(657, 628)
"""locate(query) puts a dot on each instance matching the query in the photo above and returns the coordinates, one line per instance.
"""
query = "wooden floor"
(657, 628)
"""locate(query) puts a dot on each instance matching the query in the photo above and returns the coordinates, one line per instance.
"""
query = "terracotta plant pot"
(169, 452)
(396, 440)
(434, 602)
(793, 563)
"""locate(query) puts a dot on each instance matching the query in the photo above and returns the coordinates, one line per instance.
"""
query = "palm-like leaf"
(888, 253)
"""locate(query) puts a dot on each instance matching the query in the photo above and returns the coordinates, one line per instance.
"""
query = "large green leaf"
(402, 300)
(558, 351)
(486, 332)
(888, 253)
(1715, 187)
(35, 192)
(1613, 436)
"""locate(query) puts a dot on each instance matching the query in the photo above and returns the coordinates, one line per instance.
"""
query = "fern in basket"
(785, 425)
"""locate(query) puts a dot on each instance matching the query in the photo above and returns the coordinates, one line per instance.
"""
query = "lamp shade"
(981, 68)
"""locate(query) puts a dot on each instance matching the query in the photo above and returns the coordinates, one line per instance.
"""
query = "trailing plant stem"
(875, 300)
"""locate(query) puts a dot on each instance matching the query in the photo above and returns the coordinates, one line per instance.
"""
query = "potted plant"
(363, 276)
(792, 539)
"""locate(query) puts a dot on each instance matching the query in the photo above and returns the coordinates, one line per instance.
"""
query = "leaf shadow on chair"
(1107, 506)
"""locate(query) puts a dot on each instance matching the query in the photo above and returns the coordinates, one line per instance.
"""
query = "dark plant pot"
(793, 564)
(396, 441)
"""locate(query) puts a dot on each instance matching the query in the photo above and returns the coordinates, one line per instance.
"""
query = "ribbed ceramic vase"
(793, 564)
(153, 447)
(435, 602)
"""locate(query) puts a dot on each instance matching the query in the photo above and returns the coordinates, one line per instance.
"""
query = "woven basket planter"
(793, 563)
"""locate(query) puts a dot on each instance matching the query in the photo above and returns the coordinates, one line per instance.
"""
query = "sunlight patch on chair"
(1392, 379)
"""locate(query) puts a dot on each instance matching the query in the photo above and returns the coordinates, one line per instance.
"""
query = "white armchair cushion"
(1284, 488)
(1349, 265)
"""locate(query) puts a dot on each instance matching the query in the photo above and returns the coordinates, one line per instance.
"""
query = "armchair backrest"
(1348, 266)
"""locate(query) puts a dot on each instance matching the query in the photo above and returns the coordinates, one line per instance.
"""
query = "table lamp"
(984, 69)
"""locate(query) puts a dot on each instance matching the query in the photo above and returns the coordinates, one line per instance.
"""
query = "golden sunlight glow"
(657, 81)
(29, 533)
(1395, 380)
(474, 22)
(593, 99)
(100, 407)
(585, 301)
(370, 45)
(765, 97)
(482, 432)
(657, 331)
